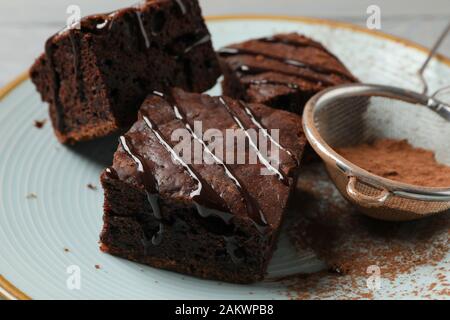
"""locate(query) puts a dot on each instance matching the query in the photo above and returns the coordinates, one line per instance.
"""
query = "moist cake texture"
(282, 71)
(215, 220)
(95, 77)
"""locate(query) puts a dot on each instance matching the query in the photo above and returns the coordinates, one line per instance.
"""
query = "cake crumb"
(91, 186)
(97, 266)
(39, 123)
(32, 195)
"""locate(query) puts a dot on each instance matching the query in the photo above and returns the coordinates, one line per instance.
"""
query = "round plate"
(50, 220)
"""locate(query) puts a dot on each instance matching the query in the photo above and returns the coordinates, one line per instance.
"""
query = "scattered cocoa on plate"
(349, 243)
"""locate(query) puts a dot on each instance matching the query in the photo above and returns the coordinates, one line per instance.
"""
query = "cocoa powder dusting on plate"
(349, 242)
(398, 160)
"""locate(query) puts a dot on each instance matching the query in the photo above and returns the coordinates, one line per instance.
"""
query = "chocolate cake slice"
(217, 218)
(96, 77)
(282, 71)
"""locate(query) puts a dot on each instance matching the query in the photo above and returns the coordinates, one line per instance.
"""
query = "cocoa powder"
(322, 221)
(398, 160)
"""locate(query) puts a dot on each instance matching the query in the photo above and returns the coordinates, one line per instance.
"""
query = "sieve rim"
(326, 152)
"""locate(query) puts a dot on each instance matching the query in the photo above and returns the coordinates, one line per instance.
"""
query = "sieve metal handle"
(365, 200)
(439, 107)
(433, 51)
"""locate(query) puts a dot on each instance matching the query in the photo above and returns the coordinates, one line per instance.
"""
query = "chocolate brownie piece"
(96, 77)
(282, 71)
(216, 219)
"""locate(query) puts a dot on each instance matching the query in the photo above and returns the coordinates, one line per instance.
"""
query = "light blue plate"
(66, 214)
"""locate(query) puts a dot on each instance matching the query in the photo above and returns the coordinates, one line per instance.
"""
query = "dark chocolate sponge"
(282, 71)
(215, 221)
(96, 77)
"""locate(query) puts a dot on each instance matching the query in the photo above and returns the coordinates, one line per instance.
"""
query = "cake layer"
(96, 77)
(205, 213)
(282, 71)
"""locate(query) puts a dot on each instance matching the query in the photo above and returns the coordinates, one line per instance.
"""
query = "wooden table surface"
(26, 24)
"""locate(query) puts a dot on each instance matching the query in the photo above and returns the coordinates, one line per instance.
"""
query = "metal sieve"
(360, 113)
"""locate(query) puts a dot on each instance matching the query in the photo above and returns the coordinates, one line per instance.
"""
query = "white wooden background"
(25, 24)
